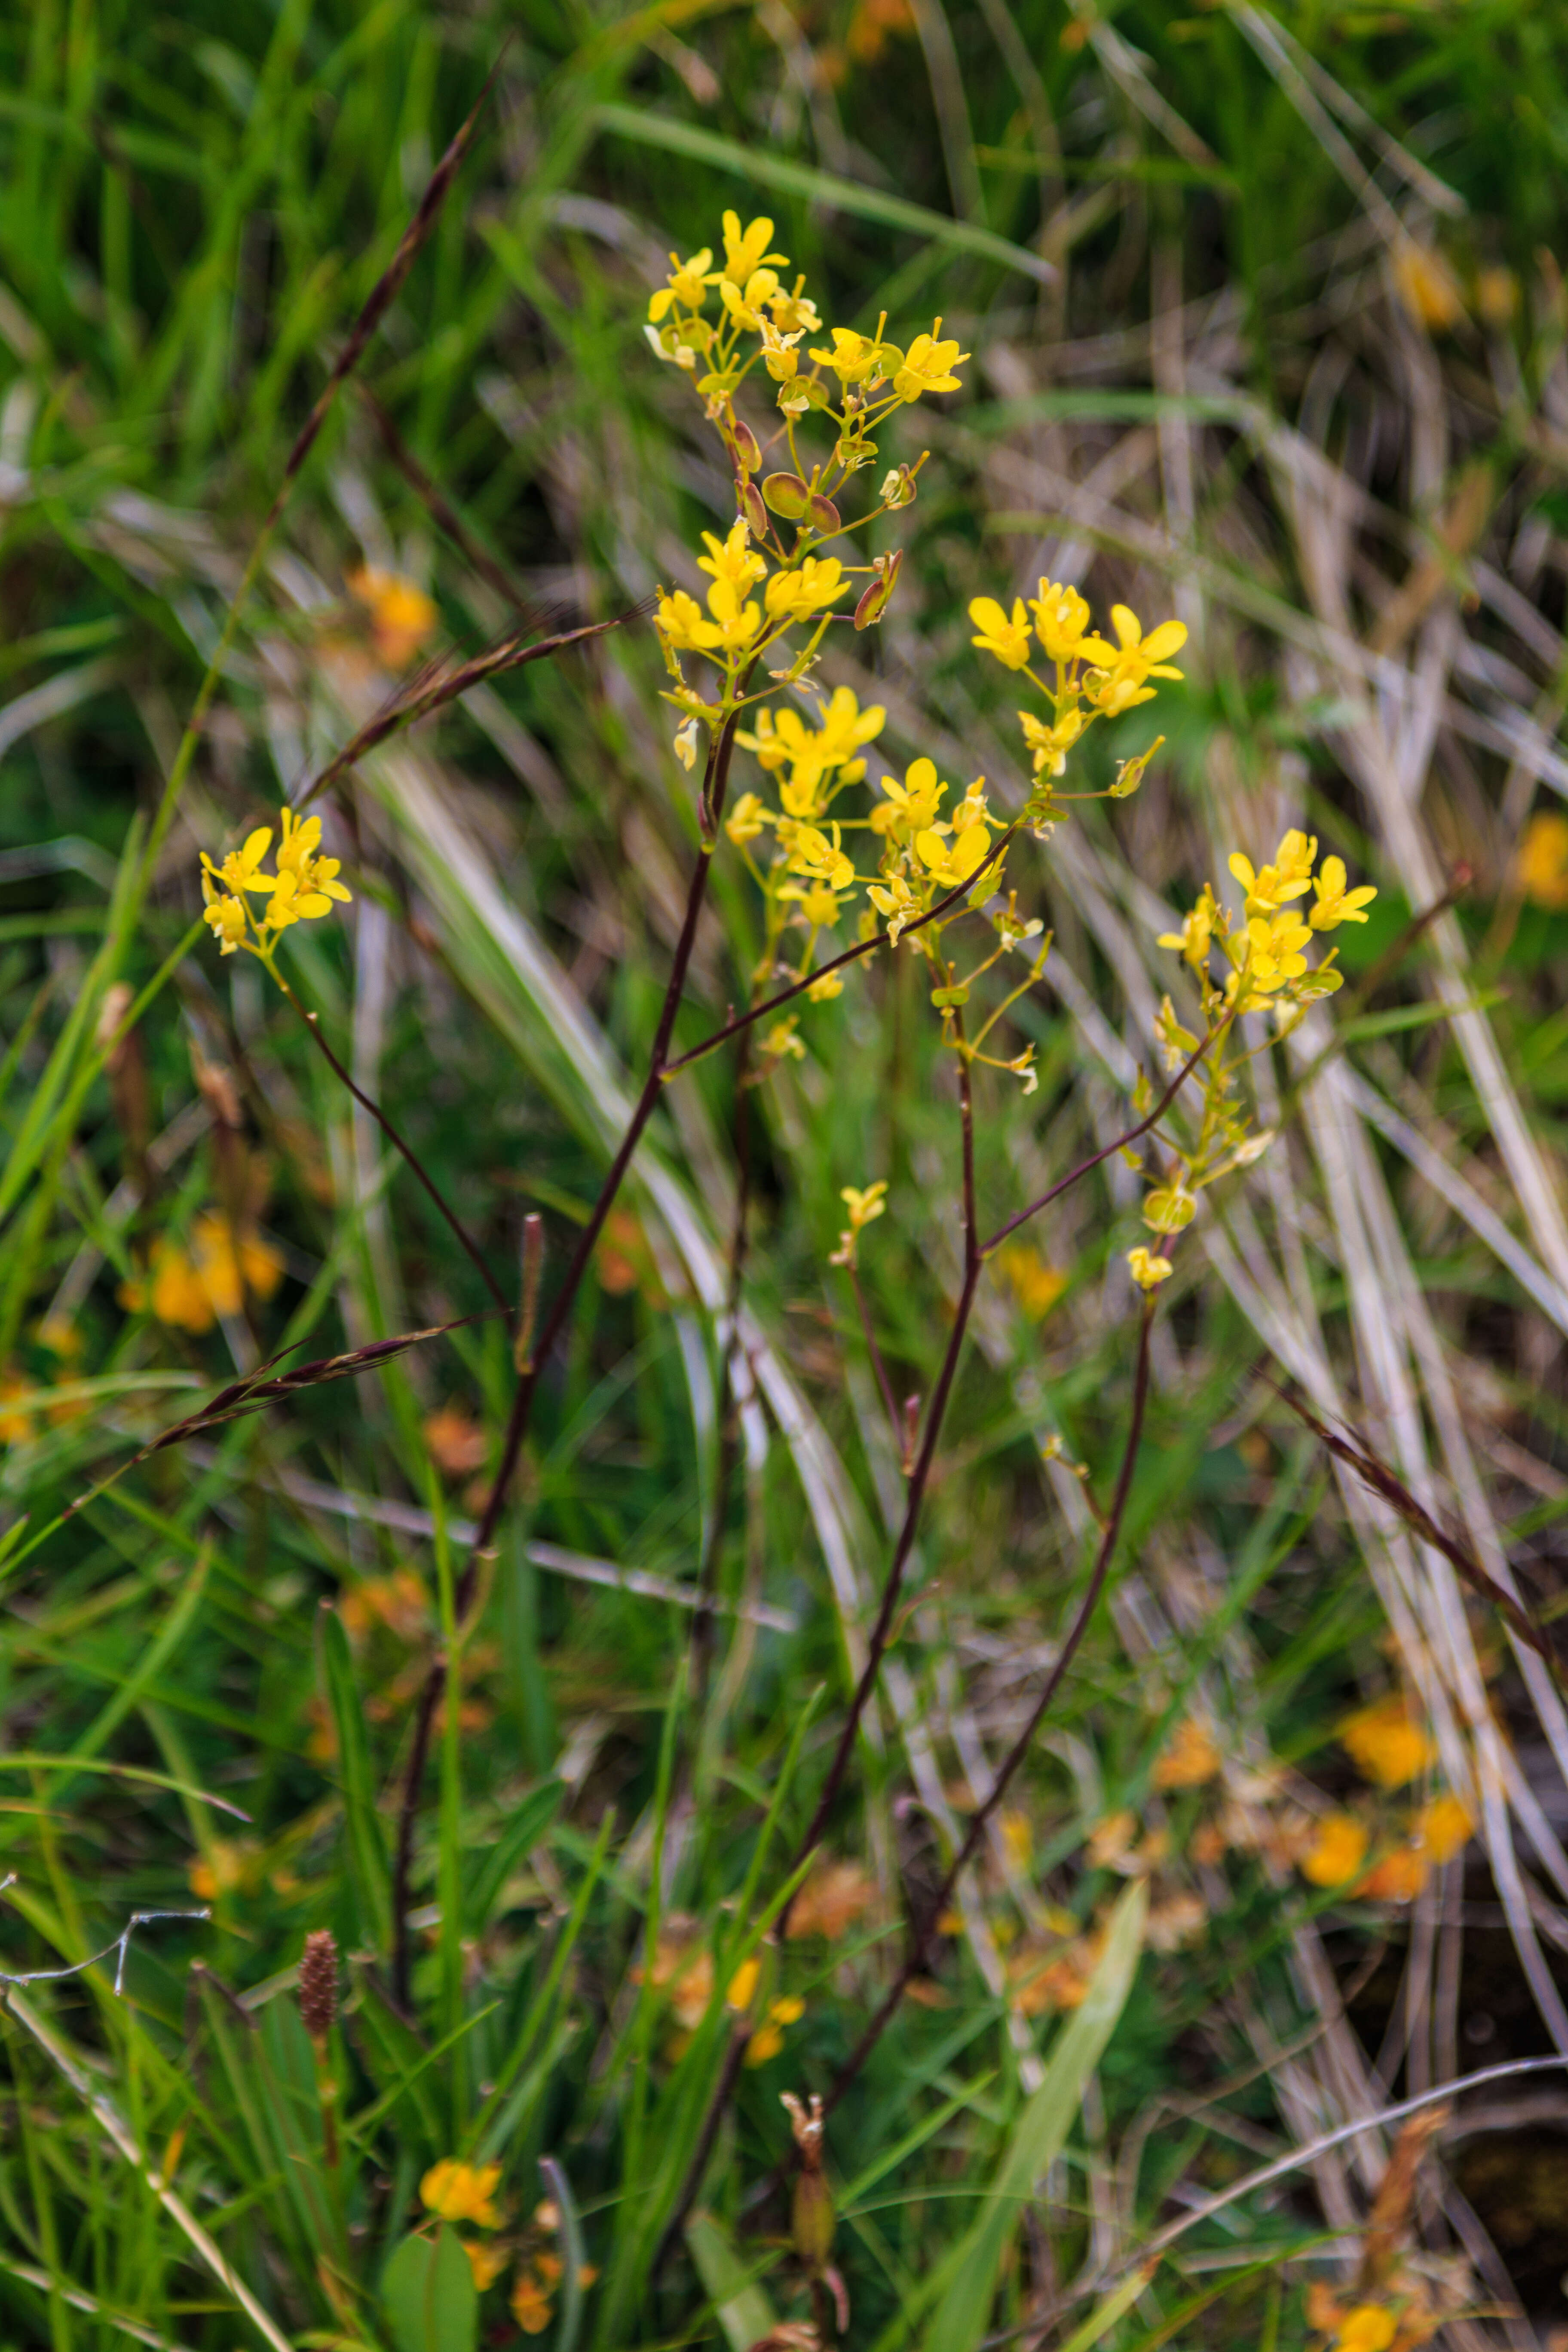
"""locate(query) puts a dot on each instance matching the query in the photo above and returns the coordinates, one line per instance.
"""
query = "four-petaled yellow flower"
(1122, 670)
(853, 358)
(1270, 888)
(1009, 639)
(927, 366)
(1050, 745)
(1148, 1269)
(910, 807)
(1335, 904)
(688, 284)
(1061, 616)
(303, 889)
(454, 2192)
(1274, 951)
(733, 559)
(746, 250)
(809, 851)
(794, 596)
(949, 861)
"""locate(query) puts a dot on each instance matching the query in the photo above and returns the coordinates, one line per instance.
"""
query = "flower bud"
(787, 495)
(878, 593)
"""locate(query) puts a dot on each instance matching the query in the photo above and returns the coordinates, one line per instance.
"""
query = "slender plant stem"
(715, 783)
(878, 1365)
(702, 1628)
(881, 1631)
(732, 1028)
(399, 1143)
(921, 1937)
(1118, 1143)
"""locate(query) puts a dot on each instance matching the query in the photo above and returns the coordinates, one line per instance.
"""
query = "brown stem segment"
(849, 955)
(892, 1590)
(715, 783)
(1119, 1143)
(401, 1145)
(921, 1938)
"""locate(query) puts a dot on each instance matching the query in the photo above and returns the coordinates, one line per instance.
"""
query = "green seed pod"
(747, 449)
(787, 495)
(824, 516)
(812, 2219)
(750, 500)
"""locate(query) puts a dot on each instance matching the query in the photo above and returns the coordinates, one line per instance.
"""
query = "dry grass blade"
(443, 683)
(387, 287)
(1391, 1489)
(255, 1392)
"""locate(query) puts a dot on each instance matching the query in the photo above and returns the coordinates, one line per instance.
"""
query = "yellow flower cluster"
(301, 891)
(191, 1289)
(1093, 678)
(1264, 952)
(457, 2193)
(1390, 1747)
(761, 587)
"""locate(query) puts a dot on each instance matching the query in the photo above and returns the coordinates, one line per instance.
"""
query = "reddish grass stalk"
(892, 1590)
(921, 1938)
(400, 1144)
(715, 783)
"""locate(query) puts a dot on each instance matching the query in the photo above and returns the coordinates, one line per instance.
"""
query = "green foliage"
(212, 1655)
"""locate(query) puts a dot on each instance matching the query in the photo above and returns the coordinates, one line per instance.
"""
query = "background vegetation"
(1295, 371)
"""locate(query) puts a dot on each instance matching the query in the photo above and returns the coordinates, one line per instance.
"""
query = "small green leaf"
(427, 2288)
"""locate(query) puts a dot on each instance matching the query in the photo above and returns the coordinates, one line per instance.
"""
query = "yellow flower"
(1009, 639)
(226, 917)
(1398, 1877)
(732, 559)
(1274, 951)
(843, 727)
(747, 819)
(1336, 1852)
(1190, 1756)
(809, 851)
(912, 806)
(1036, 1285)
(823, 990)
(1335, 904)
(1386, 1743)
(1541, 868)
(487, 2262)
(951, 861)
(744, 302)
(462, 2192)
(1445, 1828)
(241, 869)
(781, 1044)
(853, 358)
(1061, 616)
(401, 615)
(688, 284)
(743, 1984)
(746, 250)
(820, 905)
(1050, 745)
(793, 595)
(1427, 287)
(1270, 888)
(1196, 934)
(896, 902)
(530, 2303)
(794, 314)
(768, 2039)
(1122, 669)
(681, 624)
(927, 366)
(865, 1202)
(1369, 2327)
(1149, 1271)
(737, 623)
